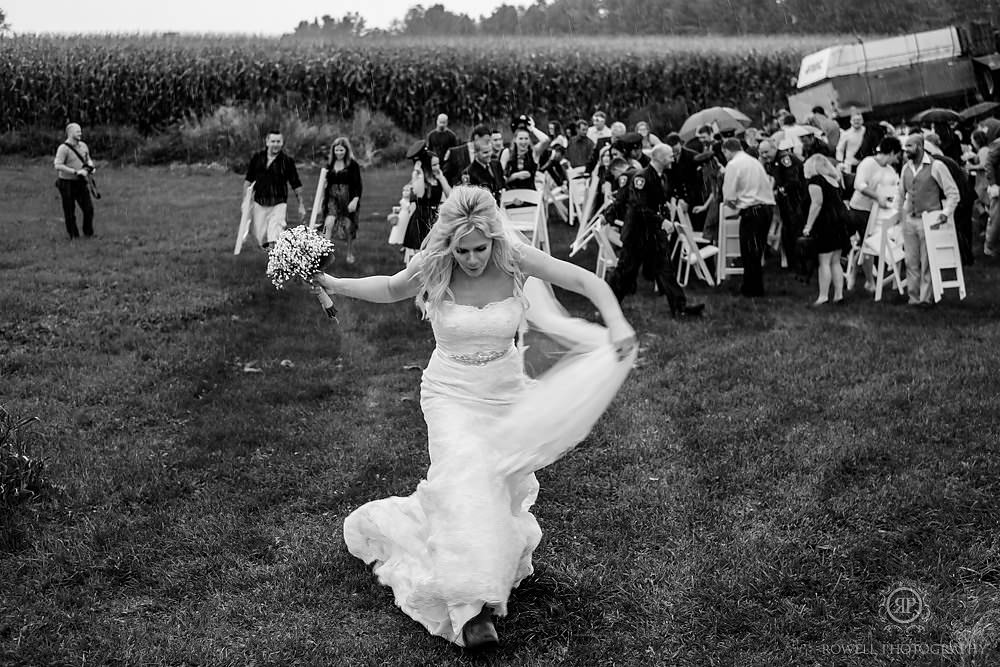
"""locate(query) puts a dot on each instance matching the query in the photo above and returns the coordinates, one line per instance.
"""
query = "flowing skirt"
(465, 537)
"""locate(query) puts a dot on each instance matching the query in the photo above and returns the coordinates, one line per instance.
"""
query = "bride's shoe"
(479, 632)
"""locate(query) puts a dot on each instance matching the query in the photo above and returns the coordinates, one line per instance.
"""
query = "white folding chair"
(884, 243)
(576, 186)
(523, 211)
(607, 258)
(727, 263)
(586, 232)
(943, 254)
(556, 196)
(693, 251)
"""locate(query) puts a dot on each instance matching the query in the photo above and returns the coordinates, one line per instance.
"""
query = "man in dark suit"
(459, 158)
(484, 170)
(644, 242)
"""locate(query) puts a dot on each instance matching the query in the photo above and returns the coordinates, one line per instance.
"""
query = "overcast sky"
(228, 16)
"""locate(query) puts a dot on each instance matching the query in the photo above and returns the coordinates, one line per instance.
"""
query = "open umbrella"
(977, 111)
(936, 115)
(725, 118)
(799, 131)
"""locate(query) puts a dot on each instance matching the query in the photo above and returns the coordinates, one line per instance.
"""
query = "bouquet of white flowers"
(297, 255)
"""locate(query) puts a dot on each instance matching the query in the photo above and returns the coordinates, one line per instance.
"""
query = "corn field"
(151, 82)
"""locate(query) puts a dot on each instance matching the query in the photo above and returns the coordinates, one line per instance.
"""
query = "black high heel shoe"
(479, 632)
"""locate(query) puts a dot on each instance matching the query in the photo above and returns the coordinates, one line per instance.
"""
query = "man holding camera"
(73, 167)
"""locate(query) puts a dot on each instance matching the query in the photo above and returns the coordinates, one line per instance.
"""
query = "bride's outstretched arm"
(378, 289)
(571, 277)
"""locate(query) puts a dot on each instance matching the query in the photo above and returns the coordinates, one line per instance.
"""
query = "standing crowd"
(803, 190)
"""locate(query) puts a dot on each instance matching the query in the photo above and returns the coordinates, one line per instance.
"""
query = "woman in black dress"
(428, 186)
(826, 225)
(342, 195)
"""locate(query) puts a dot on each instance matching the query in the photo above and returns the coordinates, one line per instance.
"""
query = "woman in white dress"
(453, 550)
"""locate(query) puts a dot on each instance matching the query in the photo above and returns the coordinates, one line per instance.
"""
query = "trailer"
(895, 77)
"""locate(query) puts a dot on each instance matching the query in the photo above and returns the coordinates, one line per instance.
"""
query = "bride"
(453, 550)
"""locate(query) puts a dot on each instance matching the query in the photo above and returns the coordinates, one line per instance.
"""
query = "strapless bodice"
(474, 335)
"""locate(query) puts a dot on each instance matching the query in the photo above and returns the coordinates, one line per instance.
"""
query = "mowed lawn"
(763, 478)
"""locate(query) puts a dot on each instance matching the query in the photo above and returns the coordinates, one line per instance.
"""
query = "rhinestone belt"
(479, 358)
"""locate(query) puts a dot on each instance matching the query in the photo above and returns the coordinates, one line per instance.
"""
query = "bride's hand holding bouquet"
(298, 256)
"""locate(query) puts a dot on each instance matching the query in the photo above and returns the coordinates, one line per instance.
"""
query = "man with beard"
(966, 196)
(925, 186)
(644, 241)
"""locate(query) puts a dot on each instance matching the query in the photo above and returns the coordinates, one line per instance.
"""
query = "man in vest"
(925, 186)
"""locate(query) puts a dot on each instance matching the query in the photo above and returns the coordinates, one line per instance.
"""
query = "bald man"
(925, 186)
(73, 167)
(441, 139)
(644, 242)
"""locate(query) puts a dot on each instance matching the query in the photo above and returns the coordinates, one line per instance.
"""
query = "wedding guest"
(966, 196)
(485, 171)
(875, 175)
(850, 143)
(458, 158)
(829, 127)
(441, 139)
(599, 130)
(270, 173)
(520, 161)
(342, 194)
(746, 187)
(925, 186)
(428, 186)
(826, 224)
(648, 138)
(579, 148)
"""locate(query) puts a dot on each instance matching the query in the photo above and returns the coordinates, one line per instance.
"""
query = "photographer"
(74, 167)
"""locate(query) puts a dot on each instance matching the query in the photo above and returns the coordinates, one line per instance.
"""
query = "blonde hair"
(821, 165)
(466, 209)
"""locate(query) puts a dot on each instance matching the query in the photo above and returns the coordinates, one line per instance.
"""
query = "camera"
(520, 123)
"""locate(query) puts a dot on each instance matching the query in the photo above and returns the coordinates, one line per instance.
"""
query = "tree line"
(657, 17)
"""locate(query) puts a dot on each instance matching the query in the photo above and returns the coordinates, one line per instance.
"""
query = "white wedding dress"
(465, 537)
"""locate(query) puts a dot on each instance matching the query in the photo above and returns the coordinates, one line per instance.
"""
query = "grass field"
(765, 475)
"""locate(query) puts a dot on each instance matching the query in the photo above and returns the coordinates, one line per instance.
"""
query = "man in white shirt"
(599, 129)
(850, 143)
(924, 186)
(874, 177)
(747, 188)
